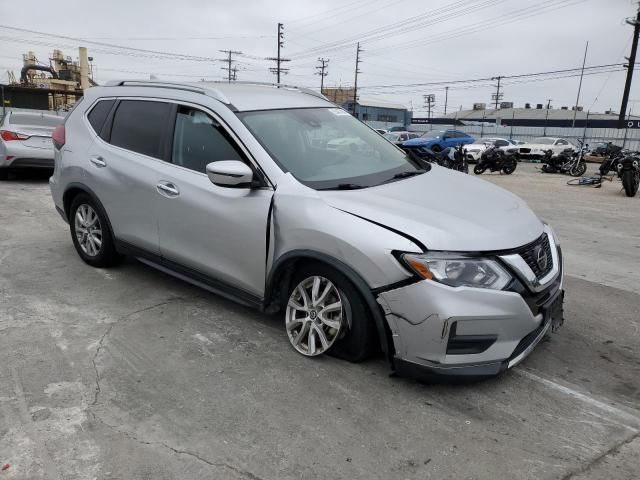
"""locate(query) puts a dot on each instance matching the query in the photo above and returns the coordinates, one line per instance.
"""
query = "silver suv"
(272, 196)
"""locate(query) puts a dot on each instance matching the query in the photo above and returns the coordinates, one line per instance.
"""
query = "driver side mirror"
(230, 173)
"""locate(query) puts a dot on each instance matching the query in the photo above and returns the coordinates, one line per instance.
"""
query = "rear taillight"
(8, 136)
(58, 136)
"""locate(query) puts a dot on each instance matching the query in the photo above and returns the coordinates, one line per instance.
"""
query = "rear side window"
(200, 140)
(141, 126)
(98, 114)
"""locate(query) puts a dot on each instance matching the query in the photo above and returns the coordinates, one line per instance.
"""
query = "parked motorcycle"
(495, 159)
(628, 169)
(566, 161)
(454, 158)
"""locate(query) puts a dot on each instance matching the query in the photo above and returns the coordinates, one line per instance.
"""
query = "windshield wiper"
(408, 173)
(345, 186)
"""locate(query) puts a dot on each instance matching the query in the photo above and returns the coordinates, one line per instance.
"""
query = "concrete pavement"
(129, 373)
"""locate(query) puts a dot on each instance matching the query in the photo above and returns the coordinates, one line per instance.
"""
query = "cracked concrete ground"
(129, 374)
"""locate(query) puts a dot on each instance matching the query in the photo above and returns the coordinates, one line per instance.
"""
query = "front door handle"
(98, 161)
(167, 189)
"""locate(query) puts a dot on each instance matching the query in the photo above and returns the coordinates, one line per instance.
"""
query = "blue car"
(439, 140)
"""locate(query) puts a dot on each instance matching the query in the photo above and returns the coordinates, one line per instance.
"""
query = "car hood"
(444, 210)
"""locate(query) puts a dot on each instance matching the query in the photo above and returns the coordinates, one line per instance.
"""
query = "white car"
(535, 149)
(399, 137)
(474, 150)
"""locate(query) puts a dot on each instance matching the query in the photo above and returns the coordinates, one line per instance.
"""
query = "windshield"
(326, 148)
(391, 136)
(432, 134)
(35, 120)
(544, 140)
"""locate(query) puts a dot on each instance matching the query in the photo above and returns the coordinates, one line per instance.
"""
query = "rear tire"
(509, 169)
(90, 233)
(436, 148)
(4, 174)
(546, 168)
(630, 180)
(356, 338)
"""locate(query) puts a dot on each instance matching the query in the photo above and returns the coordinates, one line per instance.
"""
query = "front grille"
(531, 254)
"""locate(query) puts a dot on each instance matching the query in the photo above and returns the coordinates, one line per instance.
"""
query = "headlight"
(458, 270)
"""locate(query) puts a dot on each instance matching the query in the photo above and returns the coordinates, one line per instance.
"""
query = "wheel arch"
(72, 191)
(282, 271)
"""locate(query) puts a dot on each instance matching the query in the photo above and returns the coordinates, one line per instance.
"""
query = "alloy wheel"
(314, 316)
(88, 230)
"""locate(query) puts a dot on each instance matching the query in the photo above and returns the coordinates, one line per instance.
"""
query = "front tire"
(90, 233)
(479, 169)
(436, 148)
(326, 314)
(630, 180)
(579, 169)
(4, 174)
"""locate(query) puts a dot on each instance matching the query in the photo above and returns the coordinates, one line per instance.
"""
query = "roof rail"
(218, 95)
(308, 91)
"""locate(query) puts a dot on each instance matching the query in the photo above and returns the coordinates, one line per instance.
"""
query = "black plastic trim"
(468, 344)
(217, 286)
(82, 187)
(435, 374)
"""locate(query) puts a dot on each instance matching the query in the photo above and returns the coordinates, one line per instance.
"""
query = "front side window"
(141, 126)
(543, 141)
(199, 140)
(327, 148)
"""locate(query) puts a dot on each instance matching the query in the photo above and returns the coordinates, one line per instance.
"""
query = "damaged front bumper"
(439, 330)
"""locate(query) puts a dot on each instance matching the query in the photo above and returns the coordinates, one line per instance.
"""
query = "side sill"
(190, 275)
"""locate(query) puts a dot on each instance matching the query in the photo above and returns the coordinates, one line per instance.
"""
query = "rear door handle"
(98, 161)
(167, 189)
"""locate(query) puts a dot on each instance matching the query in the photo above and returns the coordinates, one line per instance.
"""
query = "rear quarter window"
(98, 114)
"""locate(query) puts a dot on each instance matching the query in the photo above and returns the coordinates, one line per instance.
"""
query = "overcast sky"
(437, 41)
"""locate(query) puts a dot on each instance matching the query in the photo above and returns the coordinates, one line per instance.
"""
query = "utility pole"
(280, 46)
(429, 101)
(446, 98)
(322, 71)
(278, 70)
(234, 77)
(575, 108)
(497, 96)
(546, 117)
(632, 61)
(229, 61)
(355, 79)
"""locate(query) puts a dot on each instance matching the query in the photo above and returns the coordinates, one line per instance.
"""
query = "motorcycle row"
(624, 163)
(493, 159)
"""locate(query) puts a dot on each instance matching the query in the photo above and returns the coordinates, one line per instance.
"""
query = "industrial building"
(528, 116)
(378, 113)
(55, 86)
